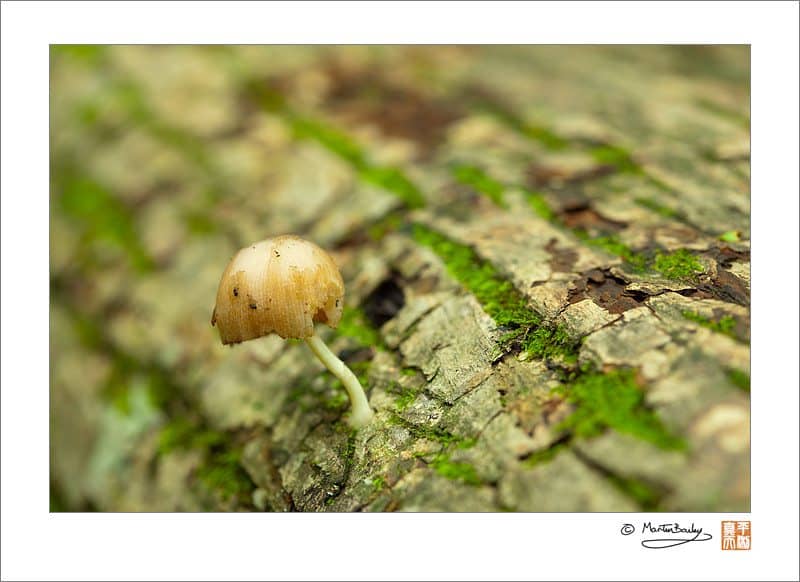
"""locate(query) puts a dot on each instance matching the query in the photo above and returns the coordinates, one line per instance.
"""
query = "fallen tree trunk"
(546, 257)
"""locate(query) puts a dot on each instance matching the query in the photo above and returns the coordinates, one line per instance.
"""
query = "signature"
(672, 534)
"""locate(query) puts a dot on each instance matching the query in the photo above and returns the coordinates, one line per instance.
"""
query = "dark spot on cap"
(235, 292)
(253, 306)
(277, 254)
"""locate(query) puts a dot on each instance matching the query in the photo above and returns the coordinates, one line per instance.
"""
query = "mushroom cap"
(280, 285)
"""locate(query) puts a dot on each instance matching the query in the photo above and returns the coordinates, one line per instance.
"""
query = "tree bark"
(545, 252)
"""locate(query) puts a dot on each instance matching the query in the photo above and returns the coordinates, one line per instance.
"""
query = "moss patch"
(680, 264)
(731, 236)
(102, 218)
(391, 179)
(378, 483)
(614, 246)
(405, 400)
(613, 400)
(480, 181)
(724, 325)
(544, 136)
(354, 324)
(223, 474)
(438, 435)
(498, 298)
(644, 494)
(657, 207)
(739, 379)
(539, 205)
(616, 156)
(220, 472)
(545, 455)
(457, 471)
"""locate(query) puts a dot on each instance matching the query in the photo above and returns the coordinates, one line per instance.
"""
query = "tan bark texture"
(545, 253)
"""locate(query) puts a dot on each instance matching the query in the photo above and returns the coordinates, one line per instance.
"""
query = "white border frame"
(37, 545)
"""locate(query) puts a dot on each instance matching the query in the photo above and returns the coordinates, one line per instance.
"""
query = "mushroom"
(284, 285)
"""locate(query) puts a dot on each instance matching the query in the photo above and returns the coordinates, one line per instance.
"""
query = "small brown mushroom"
(284, 285)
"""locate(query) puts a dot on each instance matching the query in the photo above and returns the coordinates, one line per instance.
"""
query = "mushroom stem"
(362, 414)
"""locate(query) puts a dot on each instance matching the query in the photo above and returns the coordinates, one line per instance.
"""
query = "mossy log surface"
(546, 256)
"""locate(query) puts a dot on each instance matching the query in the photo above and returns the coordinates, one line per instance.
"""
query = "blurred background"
(167, 159)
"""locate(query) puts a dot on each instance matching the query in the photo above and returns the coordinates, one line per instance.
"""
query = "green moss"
(389, 223)
(222, 474)
(614, 246)
(184, 434)
(731, 236)
(549, 342)
(480, 181)
(394, 181)
(739, 379)
(220, 471)
(391, 179)
(102, 218)
(200, 223)
(498, 298)
(644, 494)
(613, 400)
(405, 400)
(722, 111)
(539, 205)
(680, 264)
(378, 483)
(337, 399)
(438, 435)
(466, 443)
(538, 133)
(616, 156)
(657, 207)
(329, 138)
(725, 325)
(545, 455)
(354, 324)
(457, 471)
(91, 53)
